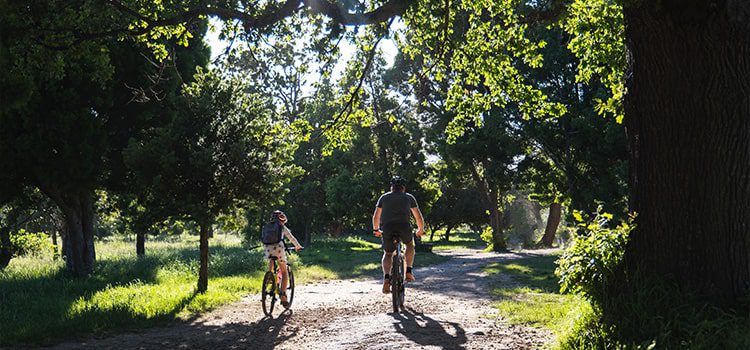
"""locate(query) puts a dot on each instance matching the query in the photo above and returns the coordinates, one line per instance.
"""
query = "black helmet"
(275, 215)
(398, 181)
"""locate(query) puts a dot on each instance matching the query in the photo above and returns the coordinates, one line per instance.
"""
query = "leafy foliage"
(587, 267)
(223, 149)
(597, 31)
(30, 243)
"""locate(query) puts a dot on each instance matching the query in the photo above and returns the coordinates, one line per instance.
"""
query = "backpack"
(271, 233)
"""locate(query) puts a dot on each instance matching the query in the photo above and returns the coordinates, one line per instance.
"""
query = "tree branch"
(330, 9)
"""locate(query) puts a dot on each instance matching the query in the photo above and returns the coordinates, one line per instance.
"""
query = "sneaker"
(386, 286)
(409, 277)
(284, 301)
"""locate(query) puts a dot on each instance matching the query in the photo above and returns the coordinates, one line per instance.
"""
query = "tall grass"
(40, 303)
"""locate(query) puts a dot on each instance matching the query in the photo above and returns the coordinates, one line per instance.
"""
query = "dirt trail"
(449, 308)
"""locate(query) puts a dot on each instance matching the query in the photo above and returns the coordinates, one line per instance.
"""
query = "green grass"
(349, 258)
(532, 297)
(458, 239)
(41, 304)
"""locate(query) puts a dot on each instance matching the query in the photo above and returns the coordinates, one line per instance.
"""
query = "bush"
(31, 243)
(643, 314)
(589, 264)
(486, 236)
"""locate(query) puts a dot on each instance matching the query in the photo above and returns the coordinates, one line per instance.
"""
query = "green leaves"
(221, 150)
(597, 32)
(482, 44)
(590, 263)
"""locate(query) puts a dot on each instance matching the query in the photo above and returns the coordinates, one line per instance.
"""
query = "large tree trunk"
(498, 237)
(688, 124)
(205, 228)
(553, 221)
(78, 241)
(140, 244)
(490, 197)
(5, 252)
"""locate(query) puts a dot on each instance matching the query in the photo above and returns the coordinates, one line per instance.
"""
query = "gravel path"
(449, 308)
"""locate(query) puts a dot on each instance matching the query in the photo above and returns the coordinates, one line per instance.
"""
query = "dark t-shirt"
(396, 208)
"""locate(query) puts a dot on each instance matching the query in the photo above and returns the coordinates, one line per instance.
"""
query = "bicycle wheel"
(396, 283)
(268, 295)
(290, 287)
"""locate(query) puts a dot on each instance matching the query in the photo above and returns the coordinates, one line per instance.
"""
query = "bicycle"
(272, 285)
(398, 287)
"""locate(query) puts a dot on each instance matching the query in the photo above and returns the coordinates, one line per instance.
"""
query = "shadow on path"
(266, 333)
(426, 331)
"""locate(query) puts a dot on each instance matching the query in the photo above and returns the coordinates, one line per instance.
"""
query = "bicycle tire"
(268, 293)
(396, 284)
(290, 287)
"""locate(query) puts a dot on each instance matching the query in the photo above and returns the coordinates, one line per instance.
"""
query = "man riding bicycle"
(391, 219)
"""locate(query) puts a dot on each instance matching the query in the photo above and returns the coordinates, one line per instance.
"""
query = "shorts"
(402, 231)
(276, 250)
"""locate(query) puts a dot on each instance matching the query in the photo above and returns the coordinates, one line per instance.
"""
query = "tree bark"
(490, 197)
(203, 272)
(140, 244)
(687, 115)
(448, 233)
(5, 251)
(78, 241)
(553, 221)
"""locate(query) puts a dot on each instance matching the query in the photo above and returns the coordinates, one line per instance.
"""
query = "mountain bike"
(272, 285)
(398, 288)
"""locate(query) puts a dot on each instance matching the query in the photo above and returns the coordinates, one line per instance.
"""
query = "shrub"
(31, 243)
(651, 314)
(589, 264)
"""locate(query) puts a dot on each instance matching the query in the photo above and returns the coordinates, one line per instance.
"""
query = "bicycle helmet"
(275, 215)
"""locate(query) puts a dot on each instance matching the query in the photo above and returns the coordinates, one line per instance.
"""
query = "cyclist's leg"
(284, 277)
(268, 253)
(410, 252)
(388, 249)
(408, 238)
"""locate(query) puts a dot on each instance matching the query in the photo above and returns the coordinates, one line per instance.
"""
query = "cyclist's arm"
(376, 221)
(420, 220)
(290, 237)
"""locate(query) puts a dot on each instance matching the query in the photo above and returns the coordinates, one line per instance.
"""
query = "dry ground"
(449, 308)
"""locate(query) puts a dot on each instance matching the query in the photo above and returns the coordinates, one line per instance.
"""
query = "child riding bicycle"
(273, 242)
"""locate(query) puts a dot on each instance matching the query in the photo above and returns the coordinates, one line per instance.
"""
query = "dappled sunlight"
(528, 293)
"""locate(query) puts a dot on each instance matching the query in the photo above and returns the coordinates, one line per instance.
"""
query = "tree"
(144, 94)
(222, 150)
(689, 146)
(675, 137)
(579, 159)
(60, 129)
(455, 207)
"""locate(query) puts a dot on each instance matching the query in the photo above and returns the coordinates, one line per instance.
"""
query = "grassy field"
(533, 297)
(458, 239)
(41, 304)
